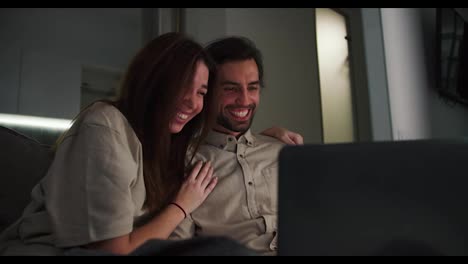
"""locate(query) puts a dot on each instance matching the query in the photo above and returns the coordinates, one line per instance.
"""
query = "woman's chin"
(175, 129)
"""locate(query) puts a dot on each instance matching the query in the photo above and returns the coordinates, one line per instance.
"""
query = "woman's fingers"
(194, 173)
(208, 177)
(203, 172)
(211, 185)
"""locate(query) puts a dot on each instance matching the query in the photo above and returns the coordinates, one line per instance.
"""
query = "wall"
(53, 44)
(292, 81)
(291, 97)
(286, 38)
(448, 120)
(205, 24)
(379, 108)
(416, 109)
(107, 36)
(10, 67)
(358, 72)
(407, 76)
(335, 76)
(49, 85)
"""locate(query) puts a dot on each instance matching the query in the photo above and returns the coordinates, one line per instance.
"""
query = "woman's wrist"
(184, 212)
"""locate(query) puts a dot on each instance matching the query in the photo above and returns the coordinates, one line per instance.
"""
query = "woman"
(119, 178)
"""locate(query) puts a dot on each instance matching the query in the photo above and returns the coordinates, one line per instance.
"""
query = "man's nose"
(242, 98)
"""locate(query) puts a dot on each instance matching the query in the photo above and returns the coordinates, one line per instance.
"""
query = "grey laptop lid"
(381, 198)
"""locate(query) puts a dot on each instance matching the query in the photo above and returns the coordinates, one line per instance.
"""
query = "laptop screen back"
(381, 198)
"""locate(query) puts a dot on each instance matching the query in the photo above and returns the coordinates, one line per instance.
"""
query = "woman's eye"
(202, 92)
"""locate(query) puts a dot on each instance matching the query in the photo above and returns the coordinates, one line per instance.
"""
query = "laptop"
(376, 198)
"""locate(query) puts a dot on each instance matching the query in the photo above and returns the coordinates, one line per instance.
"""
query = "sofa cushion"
(23, 162)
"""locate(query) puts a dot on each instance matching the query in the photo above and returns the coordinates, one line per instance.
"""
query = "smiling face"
(191, 103)
(239, 86)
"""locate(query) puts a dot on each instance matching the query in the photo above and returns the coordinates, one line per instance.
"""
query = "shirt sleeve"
(88, 190)
(185, 230)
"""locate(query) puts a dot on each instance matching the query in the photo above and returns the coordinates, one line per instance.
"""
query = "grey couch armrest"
(23, 162)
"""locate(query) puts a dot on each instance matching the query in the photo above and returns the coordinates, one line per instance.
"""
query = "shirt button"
(221, 146)
(230, 139)
(250, 183)
(241, 156)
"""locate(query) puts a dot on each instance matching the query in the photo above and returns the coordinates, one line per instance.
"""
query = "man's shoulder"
(267, 140)
(205, 149)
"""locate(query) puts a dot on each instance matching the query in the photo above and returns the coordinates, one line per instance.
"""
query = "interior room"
(333, 75)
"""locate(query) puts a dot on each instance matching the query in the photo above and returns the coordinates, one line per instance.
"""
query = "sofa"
(24, 161)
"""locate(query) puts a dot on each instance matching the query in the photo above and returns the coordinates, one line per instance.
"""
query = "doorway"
(336, 94)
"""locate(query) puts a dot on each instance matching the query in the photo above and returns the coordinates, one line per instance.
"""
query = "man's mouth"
(240, 114)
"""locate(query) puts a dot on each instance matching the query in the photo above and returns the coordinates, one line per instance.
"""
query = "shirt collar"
(229, 142)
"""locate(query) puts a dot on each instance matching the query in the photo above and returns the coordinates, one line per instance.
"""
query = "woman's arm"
(280, 133)
(193, 192)
(158, 228)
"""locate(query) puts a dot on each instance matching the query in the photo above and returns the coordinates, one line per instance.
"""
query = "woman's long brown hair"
(156, 80)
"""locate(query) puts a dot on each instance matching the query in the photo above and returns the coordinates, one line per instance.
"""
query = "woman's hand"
(196, 187)
(284, 135)
(193, 192)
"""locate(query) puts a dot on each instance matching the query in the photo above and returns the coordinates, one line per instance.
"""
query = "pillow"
(23, 162)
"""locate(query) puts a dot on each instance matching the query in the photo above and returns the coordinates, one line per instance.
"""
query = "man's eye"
(202, 93)
(253, 88)
(228, 88)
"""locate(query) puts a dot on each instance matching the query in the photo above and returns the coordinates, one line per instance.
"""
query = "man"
(243, 206)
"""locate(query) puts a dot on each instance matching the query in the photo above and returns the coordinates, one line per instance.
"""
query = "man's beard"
(225, 122)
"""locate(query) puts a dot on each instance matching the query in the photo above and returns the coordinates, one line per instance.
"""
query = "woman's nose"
(189, 100)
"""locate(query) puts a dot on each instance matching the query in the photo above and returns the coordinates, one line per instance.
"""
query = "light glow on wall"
(335, 82)
(35, 122)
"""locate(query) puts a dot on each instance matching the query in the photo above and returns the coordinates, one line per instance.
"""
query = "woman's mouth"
(182, 116)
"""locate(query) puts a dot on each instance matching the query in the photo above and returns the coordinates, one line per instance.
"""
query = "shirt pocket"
(270, 175)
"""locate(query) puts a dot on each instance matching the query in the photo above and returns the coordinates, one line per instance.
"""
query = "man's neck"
(228, 132)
